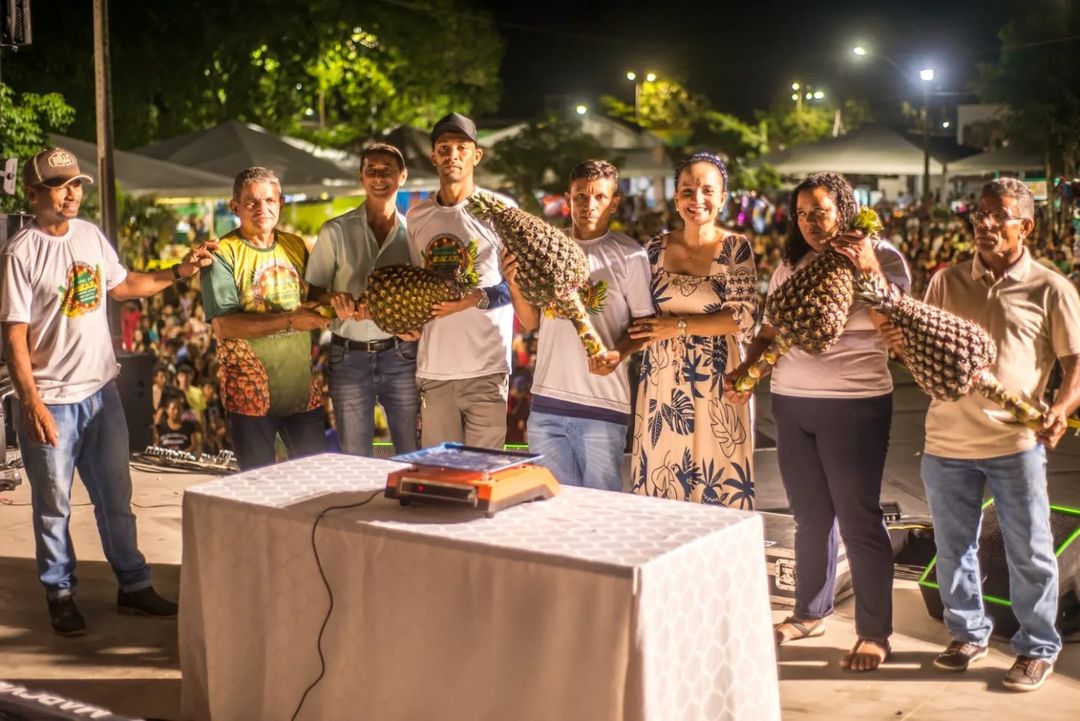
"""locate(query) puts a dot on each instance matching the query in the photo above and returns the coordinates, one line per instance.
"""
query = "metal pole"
(926, 151)
(106, 172)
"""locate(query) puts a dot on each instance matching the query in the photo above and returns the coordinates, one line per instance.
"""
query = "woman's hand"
(731, 395)
(894, 338)
(655, 328)
(856, 247)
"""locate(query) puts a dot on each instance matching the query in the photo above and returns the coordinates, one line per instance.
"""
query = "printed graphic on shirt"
(276, 286)
(82, 294)
(452, 257)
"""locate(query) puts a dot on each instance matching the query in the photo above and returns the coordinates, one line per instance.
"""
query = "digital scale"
(481, 478)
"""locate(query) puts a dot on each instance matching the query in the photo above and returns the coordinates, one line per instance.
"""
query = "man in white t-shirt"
(56, 274)
(365, 362)
(581, 406)
(464, 358)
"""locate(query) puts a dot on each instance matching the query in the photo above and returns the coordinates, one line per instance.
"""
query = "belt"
(373, 346)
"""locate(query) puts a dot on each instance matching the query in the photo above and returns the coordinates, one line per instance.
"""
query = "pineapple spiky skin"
(811, 308)
(947, 355)
(944, 352)
(553, 271)
(399, 297)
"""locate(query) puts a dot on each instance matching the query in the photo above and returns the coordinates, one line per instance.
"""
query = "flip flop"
(812, 628)
(857, 649)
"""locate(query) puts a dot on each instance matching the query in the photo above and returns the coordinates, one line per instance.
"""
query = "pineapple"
(947, 355)
(399, 297)
(553, 272)
(248, 391)
(811, 309)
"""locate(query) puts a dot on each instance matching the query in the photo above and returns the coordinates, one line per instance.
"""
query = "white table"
(592, 605)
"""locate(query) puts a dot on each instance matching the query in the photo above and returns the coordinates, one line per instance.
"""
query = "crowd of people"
(237, 365)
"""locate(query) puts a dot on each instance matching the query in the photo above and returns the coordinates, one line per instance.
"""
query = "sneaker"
(145, 602)
(65, 617)
(959, 655)
(1028, 673)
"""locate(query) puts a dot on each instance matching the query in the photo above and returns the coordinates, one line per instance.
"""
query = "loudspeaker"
(135, 384)
(1065, 529)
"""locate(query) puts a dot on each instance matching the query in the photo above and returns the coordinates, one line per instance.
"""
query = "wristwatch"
(483, 301)
(176, 273)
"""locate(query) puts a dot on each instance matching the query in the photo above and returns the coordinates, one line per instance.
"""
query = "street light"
(807, 93)
(650, 77)
(926, 76)
(581, 109)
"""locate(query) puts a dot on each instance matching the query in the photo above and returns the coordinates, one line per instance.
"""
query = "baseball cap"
(454, 123)
(53, 168)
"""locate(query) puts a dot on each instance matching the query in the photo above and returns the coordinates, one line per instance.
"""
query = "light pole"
(799, 93)
(632, 76)
(926, 77)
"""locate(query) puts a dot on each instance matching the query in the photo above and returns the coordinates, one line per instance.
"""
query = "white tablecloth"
(592, 605)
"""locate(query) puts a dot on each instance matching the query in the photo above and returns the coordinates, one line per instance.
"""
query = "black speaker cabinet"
(135, 385)
(1065, 528)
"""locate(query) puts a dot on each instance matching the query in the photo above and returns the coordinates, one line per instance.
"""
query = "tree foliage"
(356, 67)
(1040, 82)
(539, 158)
(28, 118)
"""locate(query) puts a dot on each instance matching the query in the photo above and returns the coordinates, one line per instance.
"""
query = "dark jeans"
(832, 457)
(253, 436)
(357, 379)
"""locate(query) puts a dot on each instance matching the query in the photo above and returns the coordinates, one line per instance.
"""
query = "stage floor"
(130, 665)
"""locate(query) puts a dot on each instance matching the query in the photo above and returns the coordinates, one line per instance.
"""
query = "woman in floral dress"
(689, 442)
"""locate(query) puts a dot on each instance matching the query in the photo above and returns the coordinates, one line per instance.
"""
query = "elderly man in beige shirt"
(1033, 314)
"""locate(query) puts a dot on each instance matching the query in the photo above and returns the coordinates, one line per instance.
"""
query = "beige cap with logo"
(53, 168)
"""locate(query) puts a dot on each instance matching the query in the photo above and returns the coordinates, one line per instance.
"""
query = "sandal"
(811, 628)
(868, 647)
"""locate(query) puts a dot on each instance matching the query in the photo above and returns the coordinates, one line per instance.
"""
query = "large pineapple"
(553, 272)
(399, 297)
(811, 309)
(947, 355)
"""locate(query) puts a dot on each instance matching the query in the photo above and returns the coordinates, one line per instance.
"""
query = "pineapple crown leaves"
(593, 296)
(877, 292)
(483, 206)
(868, 221)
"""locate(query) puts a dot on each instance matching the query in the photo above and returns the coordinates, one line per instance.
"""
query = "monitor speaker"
(135, 384)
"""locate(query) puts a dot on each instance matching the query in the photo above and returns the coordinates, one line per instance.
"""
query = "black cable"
(329, 592)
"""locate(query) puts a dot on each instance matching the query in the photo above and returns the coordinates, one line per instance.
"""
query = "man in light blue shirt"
(365, 362)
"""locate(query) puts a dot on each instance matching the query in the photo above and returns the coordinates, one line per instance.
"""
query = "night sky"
(742, 55)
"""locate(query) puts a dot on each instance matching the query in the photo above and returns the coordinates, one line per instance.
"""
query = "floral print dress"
(689, 443)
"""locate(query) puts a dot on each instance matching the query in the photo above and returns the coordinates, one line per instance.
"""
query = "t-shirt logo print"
(276, 287)
(82, 294)
(451, 257)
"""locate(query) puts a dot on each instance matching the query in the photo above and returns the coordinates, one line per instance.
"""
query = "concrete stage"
(130, 665)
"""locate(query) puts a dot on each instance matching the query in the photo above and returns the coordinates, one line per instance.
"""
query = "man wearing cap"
(56, 272)
(365, 362)
(464, 358)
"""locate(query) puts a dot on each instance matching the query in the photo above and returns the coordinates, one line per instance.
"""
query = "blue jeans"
(954, 489)
(254, 437)
(359, 378)
(579, 451)
(92, 437)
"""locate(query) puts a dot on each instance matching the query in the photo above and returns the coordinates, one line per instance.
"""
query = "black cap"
(454, 123)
